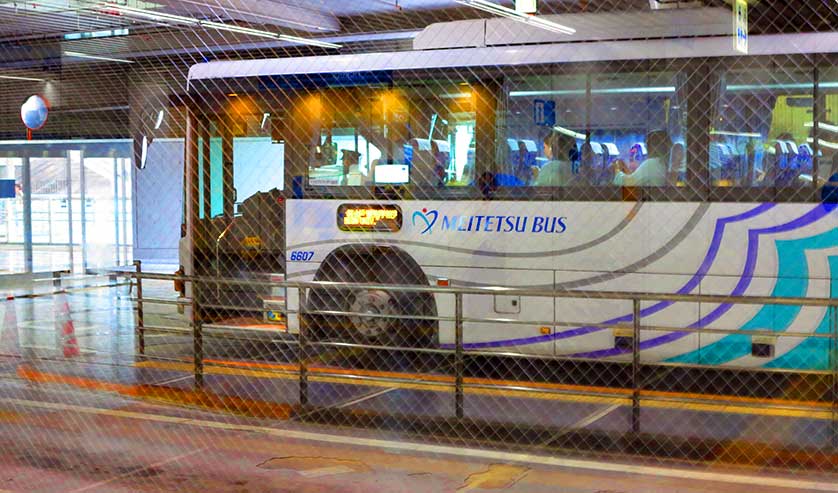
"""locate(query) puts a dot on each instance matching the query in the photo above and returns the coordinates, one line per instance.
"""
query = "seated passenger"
(559, 149)
(652, 171)
(350, 160)
(586, 170)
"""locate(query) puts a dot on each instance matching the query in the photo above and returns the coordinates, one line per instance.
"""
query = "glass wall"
(11, 218)
(80, 193)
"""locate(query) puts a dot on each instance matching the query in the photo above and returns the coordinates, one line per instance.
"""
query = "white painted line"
(584, 422)
(365, 398)
(470, 453)
(593, 418)
(138, 470)
(173, 380)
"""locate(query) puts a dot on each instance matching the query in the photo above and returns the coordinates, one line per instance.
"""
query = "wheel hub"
(372, 302)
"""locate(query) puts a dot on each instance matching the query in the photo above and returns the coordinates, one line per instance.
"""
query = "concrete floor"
(56, 437)
(108, 421)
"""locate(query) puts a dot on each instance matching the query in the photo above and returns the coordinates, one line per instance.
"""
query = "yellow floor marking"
(171, 395)
(469, 453)
(315, 467)
(370, 382)
(497, 477)
(9, 416)
(488, 382)
(721, 407)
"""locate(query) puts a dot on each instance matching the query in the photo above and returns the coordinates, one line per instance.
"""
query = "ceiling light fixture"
(752, 135)
(76, 54)
(823, 126)
(612, 90)
(823, 143)
(17, 77)
(569, 132)
(219, 26)
(535, 21)
(159, 121)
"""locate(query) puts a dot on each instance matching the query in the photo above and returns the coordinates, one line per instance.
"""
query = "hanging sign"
(740, 26)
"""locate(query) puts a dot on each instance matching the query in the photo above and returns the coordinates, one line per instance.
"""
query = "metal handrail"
(508, 291)
(635, 395)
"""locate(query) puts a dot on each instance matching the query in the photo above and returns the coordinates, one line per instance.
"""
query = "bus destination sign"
(384, 218)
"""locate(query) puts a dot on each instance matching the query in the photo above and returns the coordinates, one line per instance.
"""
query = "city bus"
(492, 154)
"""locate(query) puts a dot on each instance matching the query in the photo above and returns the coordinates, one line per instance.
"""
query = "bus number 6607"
(301, 256)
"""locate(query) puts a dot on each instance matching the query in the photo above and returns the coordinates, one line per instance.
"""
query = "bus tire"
(373, 265)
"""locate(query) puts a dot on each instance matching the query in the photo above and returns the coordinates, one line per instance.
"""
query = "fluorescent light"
(825, 143)
(569, 132)
(76, 54)
(179, 19)
(456, 95)
(614, 90)
(96, 34)
(736, 134)
(265, 117)
(799, 85)
(159, 121)
(502, 11)
(17, 77)
(823, 126)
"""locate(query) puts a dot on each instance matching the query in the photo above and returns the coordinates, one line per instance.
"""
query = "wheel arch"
(364, 259)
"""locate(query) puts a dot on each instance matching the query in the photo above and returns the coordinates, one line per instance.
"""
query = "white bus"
(665, 164)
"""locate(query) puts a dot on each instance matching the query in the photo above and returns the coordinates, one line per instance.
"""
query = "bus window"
(827, 147)
(440, 143)
(258, 166)
(419, 134)
(641, 117)
(545, 121)
(343, 157)
(762, 129)
(628, 129)
(216, 177)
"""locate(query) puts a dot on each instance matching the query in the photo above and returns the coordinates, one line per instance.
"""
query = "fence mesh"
(450, 224)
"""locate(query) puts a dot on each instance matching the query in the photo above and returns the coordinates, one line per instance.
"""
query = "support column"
(68, 176)
(27, 211)
(83, 194)
(116, 209)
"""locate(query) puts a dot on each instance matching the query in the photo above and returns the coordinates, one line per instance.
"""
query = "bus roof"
(717, 46)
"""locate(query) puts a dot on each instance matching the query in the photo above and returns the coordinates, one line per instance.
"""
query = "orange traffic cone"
(9, 342)
(64, 326)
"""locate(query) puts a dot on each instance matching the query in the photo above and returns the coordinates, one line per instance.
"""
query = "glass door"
(50, 218)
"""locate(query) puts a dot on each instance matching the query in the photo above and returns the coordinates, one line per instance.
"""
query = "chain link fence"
(463, 228)
(447, 393)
